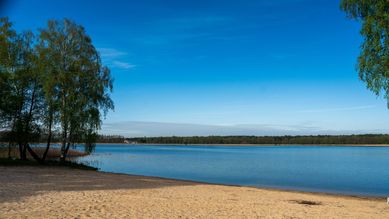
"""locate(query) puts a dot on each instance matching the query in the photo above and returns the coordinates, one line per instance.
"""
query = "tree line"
(51, 81)
(272, 140)
(366, 139)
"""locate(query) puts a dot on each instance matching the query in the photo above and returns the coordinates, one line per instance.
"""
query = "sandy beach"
(55, 192)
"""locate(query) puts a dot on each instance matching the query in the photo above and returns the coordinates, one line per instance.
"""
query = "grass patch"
(17, 162)
(52, 153)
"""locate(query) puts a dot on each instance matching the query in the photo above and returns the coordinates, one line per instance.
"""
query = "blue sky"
(223, 67)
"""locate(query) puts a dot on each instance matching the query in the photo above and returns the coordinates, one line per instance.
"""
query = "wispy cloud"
(194, 22)
(114, 58)
(110, 53)
(190, 29)
(338, 109)
(211, 27)
(123, 65)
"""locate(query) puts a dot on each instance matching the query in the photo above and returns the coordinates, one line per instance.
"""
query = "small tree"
(54, 82)
(21, 92)
(81, 83)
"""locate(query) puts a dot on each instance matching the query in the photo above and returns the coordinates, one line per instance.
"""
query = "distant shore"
(122, 143)
(162, 144)
(58, 192)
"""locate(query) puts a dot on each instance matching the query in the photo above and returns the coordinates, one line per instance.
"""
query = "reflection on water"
(333, 169)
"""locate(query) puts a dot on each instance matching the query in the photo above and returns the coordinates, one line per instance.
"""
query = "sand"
(55, 192)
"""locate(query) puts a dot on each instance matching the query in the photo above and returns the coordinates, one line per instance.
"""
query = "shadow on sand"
(22, 181)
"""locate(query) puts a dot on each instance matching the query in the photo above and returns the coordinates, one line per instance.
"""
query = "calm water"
(333, 169)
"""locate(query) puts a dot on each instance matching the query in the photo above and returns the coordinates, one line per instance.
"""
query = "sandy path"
(53, 192)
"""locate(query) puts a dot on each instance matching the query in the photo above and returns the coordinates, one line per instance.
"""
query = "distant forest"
(273, 140)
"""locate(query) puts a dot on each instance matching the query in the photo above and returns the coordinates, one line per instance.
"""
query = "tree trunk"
(9, 150)
(48, 137)
(33, 154)
(64, 141)
(66, 152)
(64, 128)
(27, 128)
(22, 151)
(47, 146)
(66, 149)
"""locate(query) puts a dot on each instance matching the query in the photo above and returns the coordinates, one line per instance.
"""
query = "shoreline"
(281, 145)
(237, 145)
(364, 197)
(60, 192)
(372, 197)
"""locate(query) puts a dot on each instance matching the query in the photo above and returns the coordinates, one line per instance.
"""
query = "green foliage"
(373, 61)
(78, 85)
(54, 80)
(7, 59)
(19, 110)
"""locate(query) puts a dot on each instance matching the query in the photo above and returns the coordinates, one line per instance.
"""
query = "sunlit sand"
(54, 192)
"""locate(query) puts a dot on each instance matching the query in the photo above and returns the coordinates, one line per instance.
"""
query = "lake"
(331, 169)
